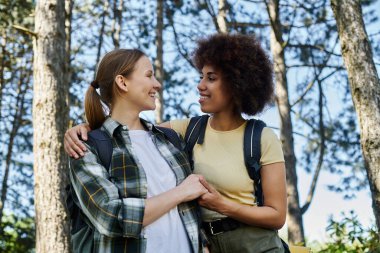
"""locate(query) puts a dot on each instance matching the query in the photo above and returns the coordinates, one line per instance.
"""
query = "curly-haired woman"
(236, 79)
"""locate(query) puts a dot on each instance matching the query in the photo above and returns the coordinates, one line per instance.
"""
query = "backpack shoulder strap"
(195, 132)
(172, 136)
(252, 155)
(103, 144)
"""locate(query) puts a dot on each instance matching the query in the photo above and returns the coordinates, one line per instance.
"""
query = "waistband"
(221, 226)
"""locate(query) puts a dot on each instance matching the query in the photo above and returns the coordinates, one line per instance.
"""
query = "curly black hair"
(246, 69)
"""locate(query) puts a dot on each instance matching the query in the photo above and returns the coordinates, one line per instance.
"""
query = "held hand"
(191, 188)
(212, 199)
(73, 146)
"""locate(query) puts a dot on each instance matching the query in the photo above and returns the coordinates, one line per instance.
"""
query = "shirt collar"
(110, 125)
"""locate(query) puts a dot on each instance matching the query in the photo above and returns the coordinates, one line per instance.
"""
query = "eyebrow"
(209, 73)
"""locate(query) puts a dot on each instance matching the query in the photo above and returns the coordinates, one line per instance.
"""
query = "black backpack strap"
(171, 135)
(252, 155)
(103, 144)
(195, 133)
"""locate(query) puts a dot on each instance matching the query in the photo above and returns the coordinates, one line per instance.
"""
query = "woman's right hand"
(73, 145)
(191, 188)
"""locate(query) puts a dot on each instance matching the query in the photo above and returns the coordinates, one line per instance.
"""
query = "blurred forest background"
(327, 86)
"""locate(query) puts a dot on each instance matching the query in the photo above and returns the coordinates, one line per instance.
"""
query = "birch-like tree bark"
(294, 217)
(159, 61)
(2, 69)
(365, 88)
(117, 22)
(50, 119)
(221, 18)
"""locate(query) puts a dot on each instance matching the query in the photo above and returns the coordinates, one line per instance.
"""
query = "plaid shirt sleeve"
(99, 199)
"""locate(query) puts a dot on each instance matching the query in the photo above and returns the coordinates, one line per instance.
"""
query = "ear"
(121, 82)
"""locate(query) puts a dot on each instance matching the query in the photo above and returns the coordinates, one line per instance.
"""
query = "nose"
(201, 85)
(157, 85)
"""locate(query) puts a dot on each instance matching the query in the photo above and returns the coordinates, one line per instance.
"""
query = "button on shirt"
(160, 178)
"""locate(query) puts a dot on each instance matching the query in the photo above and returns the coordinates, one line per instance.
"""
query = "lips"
(203, 98)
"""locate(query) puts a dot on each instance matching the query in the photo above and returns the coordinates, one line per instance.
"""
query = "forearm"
(190, 189)
(272, 215)
(261, 216)
(157, 206)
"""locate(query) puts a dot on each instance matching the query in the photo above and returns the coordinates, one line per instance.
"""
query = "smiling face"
(214, 97)
(142, 86)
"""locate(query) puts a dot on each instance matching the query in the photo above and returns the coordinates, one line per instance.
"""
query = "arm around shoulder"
(72, 143)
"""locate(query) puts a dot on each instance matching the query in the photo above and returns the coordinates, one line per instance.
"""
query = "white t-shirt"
(167, 234)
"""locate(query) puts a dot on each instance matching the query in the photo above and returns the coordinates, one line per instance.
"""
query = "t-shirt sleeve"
(180, 126)
(271, 148)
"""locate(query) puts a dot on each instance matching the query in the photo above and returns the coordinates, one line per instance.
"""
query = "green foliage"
(15, 12)
(349, 236)
(18, 235)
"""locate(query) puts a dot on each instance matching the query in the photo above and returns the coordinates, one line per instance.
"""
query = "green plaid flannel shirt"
(113, 201)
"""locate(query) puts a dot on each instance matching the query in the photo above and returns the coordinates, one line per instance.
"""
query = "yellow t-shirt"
(220, 159)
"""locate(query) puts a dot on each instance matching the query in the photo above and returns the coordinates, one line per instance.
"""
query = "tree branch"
(25, 30)
(321, 150)
(310, 85)
(315, 47)
(212, 14)
(182, 52)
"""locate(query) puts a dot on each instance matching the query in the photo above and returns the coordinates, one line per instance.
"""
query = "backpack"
(103, 145)
(195, 133)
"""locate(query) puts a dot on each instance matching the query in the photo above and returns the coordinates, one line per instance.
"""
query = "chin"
(148, 108)
(206, 110)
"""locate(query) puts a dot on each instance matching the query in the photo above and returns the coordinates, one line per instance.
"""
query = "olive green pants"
(246, 239)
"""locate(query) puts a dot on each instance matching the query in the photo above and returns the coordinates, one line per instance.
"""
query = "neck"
(224, 121)
(127, 117)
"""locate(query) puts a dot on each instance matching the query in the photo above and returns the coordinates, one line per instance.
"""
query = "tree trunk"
(159, 61)
(117, 22)
(101, 32)
(294, 219)
(365, 89)
(50, 118)
(221, 19)
(2, 69)
(69, 4)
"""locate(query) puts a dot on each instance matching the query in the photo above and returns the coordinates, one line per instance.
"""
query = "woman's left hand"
(212, 199)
